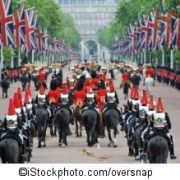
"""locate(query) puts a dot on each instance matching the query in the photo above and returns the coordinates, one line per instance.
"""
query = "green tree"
(8, 53)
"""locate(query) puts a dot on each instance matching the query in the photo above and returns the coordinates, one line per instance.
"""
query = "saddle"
(111, 106)
(91, 108)
(65, 107)
(159, 132)
(13, 135)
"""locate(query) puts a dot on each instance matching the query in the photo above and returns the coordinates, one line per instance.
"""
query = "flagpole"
(32, 56)
(19, 56)
(163, 58)
(141, 57)
(172, 60)
(144, 56)
(2, 61)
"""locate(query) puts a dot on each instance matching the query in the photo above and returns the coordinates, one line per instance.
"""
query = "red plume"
(159, 108)
(11, 109)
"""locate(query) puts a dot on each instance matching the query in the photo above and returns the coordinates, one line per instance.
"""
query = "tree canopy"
(57, 23)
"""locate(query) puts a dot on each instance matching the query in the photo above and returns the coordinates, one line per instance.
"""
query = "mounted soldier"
(90, 103)
(160, 124)
(42, 100)
(112, 100)
(125, 83)
(12, 128)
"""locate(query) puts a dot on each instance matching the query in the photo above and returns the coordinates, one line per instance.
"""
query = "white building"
(90, 16)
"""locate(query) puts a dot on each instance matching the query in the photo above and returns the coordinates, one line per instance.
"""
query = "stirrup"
(23, 158)
(173, 156)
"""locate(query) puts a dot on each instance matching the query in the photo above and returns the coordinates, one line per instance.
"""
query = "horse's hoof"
(173, 157)
(39, 146)
(44, 145)
(130, 154)
(137, 158)
(60, 144)
(110, 144)
(115, 145)
(64, 145)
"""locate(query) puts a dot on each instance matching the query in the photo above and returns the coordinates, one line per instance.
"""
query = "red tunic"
(79, 96)
(125, 77)
(53, 96)
(100, 98)
(149, 72)
(95, 83)
(41, 76)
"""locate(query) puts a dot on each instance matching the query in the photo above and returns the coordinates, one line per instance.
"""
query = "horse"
(10, 150)
(111, 119)
(130, 124)
(77, 116)
(90, 121)
(62, 119)
(157, 149)
(42, 118)
(137, 140)
(149, 83)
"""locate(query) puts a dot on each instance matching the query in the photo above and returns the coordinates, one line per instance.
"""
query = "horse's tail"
(60, 119)
(6, 152)
(111, 121)
(158, 147)
(86, 121)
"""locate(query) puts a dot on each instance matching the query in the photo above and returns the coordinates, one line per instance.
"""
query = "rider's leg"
(172, 155)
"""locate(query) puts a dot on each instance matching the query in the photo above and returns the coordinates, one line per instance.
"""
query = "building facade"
(89, 16)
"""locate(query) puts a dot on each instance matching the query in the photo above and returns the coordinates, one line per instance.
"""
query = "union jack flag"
(138, 36)
(39, 39)
(175, 33)
(45, 38)
(6, 23)
(56, 46)
(151, 31)
(19, 25)
(30, 23)
(161, 33)
(144, 33)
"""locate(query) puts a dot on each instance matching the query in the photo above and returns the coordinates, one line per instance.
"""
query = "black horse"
(90, 121)
(158, 149)
(130, 124)
(111, 119)
(137, 140)
(10, 150)
(62, 120)
(42, 118)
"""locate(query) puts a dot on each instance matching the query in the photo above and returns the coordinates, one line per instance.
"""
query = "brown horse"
(77, 116)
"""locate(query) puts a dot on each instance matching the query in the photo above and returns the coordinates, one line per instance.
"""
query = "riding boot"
(172, 156)
(23, 154)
